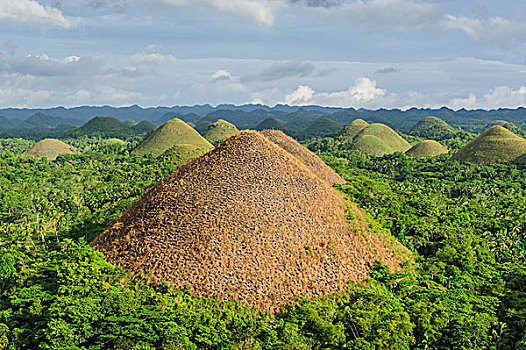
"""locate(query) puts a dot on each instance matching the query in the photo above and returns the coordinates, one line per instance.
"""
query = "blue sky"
(348, 53)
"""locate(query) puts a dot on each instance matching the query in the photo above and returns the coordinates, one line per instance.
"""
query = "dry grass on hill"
(49, 148)
(247, 221)
(311, 160)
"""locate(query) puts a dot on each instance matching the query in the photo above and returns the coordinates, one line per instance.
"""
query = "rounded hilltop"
(379, 139)
(172, 133)
(353, 128)
(495, 145)
(246, 221)
(219, 131)
(427, 148)
(143, 127)
(507, 125)
(49, 148)
(432, 128)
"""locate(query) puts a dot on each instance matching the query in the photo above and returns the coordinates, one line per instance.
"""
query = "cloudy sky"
(346, 53)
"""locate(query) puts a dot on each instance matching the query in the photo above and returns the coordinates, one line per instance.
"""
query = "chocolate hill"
(311, 160)
(172, 133)
(49, 148)
(495, 145)
(247, 221)
(353, 128)
(427, 148)
(219, 131)
(433, 128)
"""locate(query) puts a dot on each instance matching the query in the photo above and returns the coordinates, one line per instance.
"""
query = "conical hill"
(246, 221)
(432, 127)
(510, 126)
(427, 148)
(387, 135)
(311, 160)
(49, 148)
(219, 131)
(495, 145)
(371, 146)
(173, 132)
(353, 128)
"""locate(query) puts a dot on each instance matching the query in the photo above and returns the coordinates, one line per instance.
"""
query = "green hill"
(371, 146)
(432, 128)
(49, 148)
(510, 126)
(114, 141)
(219, 131)
(353, 128)
(495, 145)
(427, 148)
(130, 123)
(271, 124)
(202, 126)
(395, 142)
(323, 127)
(104, 126)
(173, 132)
(184, 153)
(144, 127)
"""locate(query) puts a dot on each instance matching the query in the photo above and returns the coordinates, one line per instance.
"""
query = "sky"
(341, 53)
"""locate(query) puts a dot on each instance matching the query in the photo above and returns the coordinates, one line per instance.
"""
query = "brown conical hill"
(246, 221)
(49, 148)
(311, 160)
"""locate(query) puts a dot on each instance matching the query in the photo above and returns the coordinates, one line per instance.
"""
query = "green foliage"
(464, 223)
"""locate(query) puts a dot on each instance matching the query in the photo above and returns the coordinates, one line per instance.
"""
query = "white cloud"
(29, 11)
(152, 58)
(498, 97)
(301, 96)
(221, 75)
(261, 11)
(495, 29)
(363, 91)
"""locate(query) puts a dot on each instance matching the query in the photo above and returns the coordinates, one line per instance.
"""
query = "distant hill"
(49, 148)
(130, 122)
(507, 125)
(432, 128)
(104, 126)
(271, 124)
(322, 127)
(41, 119)
(114, 141)
(427, 148)
(143, 127)
(495, 145)
(353, 128)
(172, 133)
(202, 126)
(387, 135)
(219, 131)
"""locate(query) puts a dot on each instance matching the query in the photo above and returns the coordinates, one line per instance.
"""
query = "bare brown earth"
(311, 160)
(246, 221)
